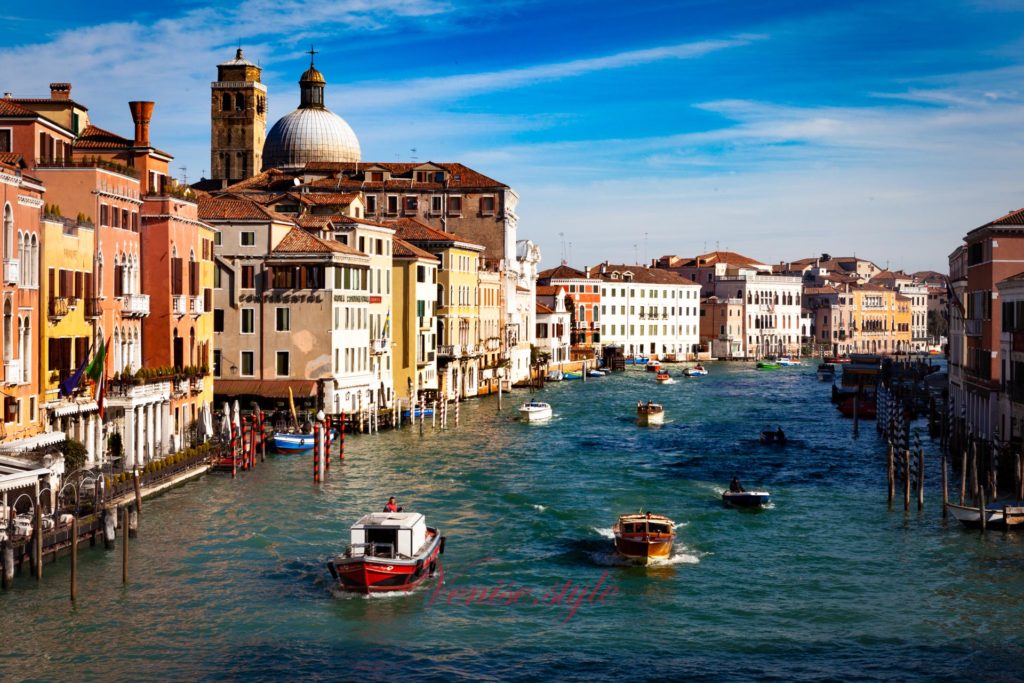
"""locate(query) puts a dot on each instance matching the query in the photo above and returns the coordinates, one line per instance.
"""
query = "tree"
(75, 454)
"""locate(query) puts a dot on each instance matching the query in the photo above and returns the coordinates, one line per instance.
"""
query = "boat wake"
(540, 508)
(604, 531)
(610, 558)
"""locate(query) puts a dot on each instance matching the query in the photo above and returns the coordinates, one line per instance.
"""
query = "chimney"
(141, 113)
(60, 91)
(586, 269)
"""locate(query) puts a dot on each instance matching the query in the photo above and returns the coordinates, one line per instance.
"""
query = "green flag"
(95, 369)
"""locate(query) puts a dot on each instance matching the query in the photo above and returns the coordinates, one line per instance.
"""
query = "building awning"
(32, 443)
(12, 480)
(65, 408)
(267, 388)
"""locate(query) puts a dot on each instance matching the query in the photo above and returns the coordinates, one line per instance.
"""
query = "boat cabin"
(388, 534)
(655, 525)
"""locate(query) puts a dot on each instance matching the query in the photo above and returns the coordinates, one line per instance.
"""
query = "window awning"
(273, 388)
(32, 443)
(66, 408)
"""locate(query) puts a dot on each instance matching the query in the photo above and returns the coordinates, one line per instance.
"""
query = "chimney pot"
(60, 91)
(141, 114)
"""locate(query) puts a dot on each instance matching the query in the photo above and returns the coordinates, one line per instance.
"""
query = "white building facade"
(771, 313)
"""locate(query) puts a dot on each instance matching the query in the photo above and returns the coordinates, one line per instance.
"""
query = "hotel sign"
(351, 298)
(375, 299)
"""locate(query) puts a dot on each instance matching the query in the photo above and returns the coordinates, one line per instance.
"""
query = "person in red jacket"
(392, 505)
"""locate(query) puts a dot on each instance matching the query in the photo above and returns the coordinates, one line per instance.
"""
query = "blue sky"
(779, 129)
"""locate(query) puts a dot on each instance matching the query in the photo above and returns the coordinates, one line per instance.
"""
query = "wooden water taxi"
(664, 378)
(644, 537)
(649, 413)
(388, 551)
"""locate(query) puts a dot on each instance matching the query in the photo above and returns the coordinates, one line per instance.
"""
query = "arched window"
(21, 258)
(34, 260)
(8, 230)
(225, 102)
(239, 102)
(8, 331)
(25, 350)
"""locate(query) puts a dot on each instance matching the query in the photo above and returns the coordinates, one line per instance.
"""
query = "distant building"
(771, 312)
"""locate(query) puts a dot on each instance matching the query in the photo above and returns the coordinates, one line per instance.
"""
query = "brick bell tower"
(238, 120)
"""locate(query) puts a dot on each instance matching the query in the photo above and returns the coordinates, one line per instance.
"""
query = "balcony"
(378, 346)
(181, 387)
(470, 350)
(12, 271)
(59, 307)
(195, 305)
(492, 344)
(135, 305)
(973, 327)
(449, 350)
(12, 371)
(197, 385)
(93, 309)
(179, 304)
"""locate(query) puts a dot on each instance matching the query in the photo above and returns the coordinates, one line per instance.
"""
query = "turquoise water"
(228, 578)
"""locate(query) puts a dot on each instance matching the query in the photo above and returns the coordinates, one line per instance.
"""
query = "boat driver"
(734, 486)
(392, 505)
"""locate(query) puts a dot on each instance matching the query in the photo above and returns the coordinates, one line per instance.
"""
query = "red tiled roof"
(214, 208)
(298, 241)
(1015, 217)
(658, 276)
(729, 257)
(9, 107)
(318, 222)
(548, 290)
(413, 230)
(541, 308)
(94, 137)
(562, 272)
(403, 249)
(12, 158)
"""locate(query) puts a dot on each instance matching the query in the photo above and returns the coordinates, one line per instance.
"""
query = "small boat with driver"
(653, 366)
(787, 362)
(643, 537)
(767, 365)
(826, 372)
(664, 378)
(535, 411)
(696, 371)
(776, 437)
(388, 551)
(746, 499)
(649, 414)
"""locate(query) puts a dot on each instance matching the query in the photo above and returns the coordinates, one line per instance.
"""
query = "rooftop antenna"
(184, 174)
(636, 254)
(570, 251)
(413, 153)
(562, 235)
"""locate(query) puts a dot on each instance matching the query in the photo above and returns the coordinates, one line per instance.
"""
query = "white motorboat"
(786, 361)
(535, 411)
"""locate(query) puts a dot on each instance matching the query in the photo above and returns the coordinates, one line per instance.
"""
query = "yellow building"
(881, 323)
(70, 309)
(458, 305)
(413, 300)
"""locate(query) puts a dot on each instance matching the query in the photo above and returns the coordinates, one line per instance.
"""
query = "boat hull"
(637, 549)
(746, 499)
(648, 419)
(380, 575)
(293, 443)
(535, 414)
(996, 516)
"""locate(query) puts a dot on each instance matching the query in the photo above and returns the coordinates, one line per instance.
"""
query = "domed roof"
(312, 75)
(310, 134)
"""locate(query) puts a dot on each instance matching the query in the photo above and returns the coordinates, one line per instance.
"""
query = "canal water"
(228, 579)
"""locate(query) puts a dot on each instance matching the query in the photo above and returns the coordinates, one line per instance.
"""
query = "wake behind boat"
(664, 378)
(644, 537)
(388, 551)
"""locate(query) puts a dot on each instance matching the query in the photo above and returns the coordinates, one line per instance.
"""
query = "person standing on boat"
(779, 434)
(734, 486)
(392, 505)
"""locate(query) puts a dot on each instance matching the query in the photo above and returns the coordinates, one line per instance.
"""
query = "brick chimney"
(60, 91)
(141, 113)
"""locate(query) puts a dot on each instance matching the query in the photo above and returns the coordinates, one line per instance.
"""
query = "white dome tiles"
(310, 134)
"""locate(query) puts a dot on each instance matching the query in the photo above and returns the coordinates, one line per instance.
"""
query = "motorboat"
(573, 375)
(596, 373)
(298, 442)
(746, 499)
(644, 537)
(787, 362)
(649, 413)
(826, 372)
(555, 376)
(998, 515)
(695, 371)
(653, 366)
(775, 437)
(388, 551)
(664, 378)
(535, 411)
(636, 360)
(767, 365)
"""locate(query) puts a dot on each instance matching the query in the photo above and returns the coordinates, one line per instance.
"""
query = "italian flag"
(97, 371)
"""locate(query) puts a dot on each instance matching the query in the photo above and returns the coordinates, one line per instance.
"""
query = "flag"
(291, 402)
(101, 382)
(387, 326)
(955, 300)
(98, 364)
(68, 386)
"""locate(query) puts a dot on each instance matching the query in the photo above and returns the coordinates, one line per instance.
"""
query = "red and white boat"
(389, 551)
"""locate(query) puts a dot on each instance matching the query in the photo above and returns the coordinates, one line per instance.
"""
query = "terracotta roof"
(9, 107)
(403, 249)
(94, 137)
(641, 274)
(214, 208)
(548, 290)
(318, 222)
(1015, 217)
(323, 198)
(458, 174)
(541, 308)
(413, 230)
(562, 272)
(12, 158)
(729, 257)
(820, 290)
(298, 241)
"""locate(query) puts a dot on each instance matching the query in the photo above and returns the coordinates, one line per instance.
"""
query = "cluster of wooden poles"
(905, 464)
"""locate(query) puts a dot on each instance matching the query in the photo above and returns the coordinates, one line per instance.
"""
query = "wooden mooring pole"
(920, 476)
(37, 541)
(945, 484)
(892, 473)
(963, 477)
(124, 548)
(906, 479)
(74, 558)
(7, 554)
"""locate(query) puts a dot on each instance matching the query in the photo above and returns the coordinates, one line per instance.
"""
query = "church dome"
(312, 134)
